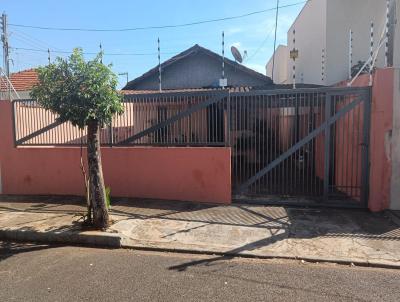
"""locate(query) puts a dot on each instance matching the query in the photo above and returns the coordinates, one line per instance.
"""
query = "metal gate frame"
(364, 96)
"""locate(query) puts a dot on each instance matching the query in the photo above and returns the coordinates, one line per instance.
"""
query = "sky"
(254, 33)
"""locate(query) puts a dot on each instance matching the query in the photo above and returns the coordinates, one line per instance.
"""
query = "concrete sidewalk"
(344, 236)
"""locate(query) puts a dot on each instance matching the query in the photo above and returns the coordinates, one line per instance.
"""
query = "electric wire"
(156, 26)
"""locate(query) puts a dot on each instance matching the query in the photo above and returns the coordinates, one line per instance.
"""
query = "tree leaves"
(78, 91)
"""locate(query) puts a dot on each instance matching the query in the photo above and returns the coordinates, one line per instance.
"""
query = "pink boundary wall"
(381, 126)
(186, 174)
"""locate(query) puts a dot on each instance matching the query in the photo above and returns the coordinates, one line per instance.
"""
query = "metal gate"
(310, 143)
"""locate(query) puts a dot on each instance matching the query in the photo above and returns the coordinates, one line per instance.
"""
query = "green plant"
(108, 197)
(85, 94)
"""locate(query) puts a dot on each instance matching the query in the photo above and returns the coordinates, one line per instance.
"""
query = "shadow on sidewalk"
(277, 223)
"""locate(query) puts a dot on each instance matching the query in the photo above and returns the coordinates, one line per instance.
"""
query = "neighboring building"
(280, 68)
(21, 81)
(196, 68)
(323, 26)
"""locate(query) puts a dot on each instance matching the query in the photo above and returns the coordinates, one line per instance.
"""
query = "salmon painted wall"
(187, 174)
(381, 127)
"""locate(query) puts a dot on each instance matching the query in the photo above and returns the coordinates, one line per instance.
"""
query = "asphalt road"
(44, 273)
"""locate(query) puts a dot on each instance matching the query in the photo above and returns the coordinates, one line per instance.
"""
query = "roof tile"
(22, 81)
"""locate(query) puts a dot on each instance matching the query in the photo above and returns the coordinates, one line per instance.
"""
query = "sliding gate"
(310, 143)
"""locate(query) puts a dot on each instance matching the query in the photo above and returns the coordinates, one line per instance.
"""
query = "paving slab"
(334, 235)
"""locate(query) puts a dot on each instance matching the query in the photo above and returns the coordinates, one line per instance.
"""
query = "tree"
(83, 93)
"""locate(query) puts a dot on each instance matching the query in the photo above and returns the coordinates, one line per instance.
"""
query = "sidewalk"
(345, 236)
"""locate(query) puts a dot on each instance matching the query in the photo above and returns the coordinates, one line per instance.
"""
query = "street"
(30, 272)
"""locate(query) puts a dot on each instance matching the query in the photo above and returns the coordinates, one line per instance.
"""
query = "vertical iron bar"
(358, 149)
(111, 138)
(229, 120)
(327, 146)
(365, 152)
(13, 105)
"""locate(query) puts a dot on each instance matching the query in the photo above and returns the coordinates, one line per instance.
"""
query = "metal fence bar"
(327, 146)
(171, 120)
(365, 149)
(38, 132)
(300, 144)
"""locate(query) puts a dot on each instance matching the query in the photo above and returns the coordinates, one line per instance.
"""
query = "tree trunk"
(97, 193)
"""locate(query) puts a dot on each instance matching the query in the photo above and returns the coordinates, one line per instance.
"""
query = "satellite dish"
(236, 54)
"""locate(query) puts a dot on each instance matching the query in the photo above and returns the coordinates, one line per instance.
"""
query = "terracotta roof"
(22, 81)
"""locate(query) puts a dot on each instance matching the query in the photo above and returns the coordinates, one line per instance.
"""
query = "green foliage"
(79, 91)
(108, 197)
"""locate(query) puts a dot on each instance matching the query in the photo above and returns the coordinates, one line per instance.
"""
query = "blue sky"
(254, 33)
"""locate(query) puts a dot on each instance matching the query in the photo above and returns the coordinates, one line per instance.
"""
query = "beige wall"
(397, 37)
(325, 24)
(357, 15)
(310, 28)
(4, 95)
(395, 142)
(280, 69)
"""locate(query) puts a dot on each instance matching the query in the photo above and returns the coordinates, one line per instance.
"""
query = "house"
(195, 68)
(22, 82)
(322, 34)
(198, 69)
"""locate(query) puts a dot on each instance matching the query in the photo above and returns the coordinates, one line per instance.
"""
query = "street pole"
(276, 29)
(6, 61)
(4, 39)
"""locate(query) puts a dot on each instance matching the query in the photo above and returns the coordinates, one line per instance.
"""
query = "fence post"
(228, 122)
(14, 124)
(365, 147)
(327, 145)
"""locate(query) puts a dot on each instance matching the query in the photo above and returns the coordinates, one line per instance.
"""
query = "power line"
(261, 45)
(157, 27)
(92, 53)
(39, 43)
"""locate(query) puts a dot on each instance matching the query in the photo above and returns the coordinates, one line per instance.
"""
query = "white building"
(322, 29)
(281, 65)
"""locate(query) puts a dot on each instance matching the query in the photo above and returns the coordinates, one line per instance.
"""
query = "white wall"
(357, 15)
(310, 28)
(395, 152)
(397, 37)
(4, 95)
(325, 24)
(280, 69)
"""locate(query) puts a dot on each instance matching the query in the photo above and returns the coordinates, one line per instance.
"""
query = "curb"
(98, 240)
(366, 263)
(110, 240)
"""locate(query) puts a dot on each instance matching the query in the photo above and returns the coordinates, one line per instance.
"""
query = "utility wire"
(39, 43)
(91, 53)
(156, 27)
(261, 45)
